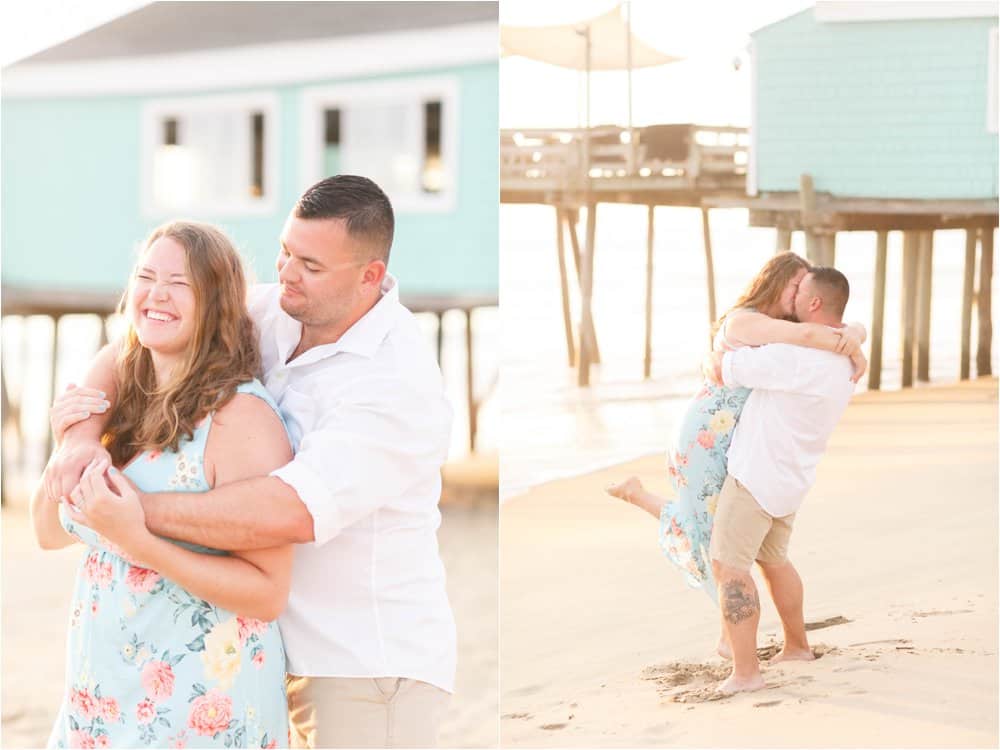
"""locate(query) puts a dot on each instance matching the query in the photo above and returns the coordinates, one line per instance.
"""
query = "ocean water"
(551, 428)
(27, 358)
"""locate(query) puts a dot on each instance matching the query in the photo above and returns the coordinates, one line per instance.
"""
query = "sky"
(706, 87)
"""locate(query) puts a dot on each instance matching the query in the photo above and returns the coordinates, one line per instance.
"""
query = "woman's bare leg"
(632, 492)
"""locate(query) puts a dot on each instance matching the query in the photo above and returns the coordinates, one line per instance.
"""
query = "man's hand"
(66, 466)
(711, 367)
(75, 405)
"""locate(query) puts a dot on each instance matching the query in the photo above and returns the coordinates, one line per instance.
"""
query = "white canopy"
(566, 45)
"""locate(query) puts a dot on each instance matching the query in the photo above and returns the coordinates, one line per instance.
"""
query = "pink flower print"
(105, 574)
(274, 743)
(104, 741)
(81, 738)
(258, 659)
(84, 703)
(91, 567)
(109, 709)
(179, 741)
(210, 713)
(141, 580)
(153, 455)
(158, 680)
(247, 626)
(706, 439)
(681, 459)
(93, 607)
(145, 712)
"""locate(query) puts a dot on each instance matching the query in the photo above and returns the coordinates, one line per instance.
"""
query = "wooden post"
(572, 217)
(807, 207)
(706, 233)
(984, 304)
(968, 290)
(470, 382)
(440, 335)
(55, 367)
(587, 289)
(828, 250)
(924, 284)
(878, 312)
(782, 241)
(564, 287)
(647, 368)
(909, 303)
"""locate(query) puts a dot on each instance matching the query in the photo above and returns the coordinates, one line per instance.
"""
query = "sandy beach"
(36, 597)
(605, 646)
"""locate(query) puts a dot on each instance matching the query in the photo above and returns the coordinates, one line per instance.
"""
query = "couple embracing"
(781, 372)
(241, 460)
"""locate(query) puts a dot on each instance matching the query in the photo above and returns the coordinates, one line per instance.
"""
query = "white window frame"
(991, 83)
(153, 113)
(316, 100)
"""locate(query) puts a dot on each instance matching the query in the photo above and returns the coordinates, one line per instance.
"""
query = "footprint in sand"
(553, 727)
(829, 622)
(517, 716)
(937, 612)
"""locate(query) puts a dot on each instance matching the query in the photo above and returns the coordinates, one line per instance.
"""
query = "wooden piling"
(782, 241)
(807, 207)
(564, 288)
(925, 272)
(911, 251)
(587, 289)
(968, 292)
(984, 304)
(572, 219)
(828, 244)
(878, 312)
(706, 233)
(647, 368)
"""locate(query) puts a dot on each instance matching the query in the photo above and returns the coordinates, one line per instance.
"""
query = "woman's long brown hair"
(764, 290)
(222, 354)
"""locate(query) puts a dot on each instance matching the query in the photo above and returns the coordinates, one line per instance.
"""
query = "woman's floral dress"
(697, 468)
(149, 664)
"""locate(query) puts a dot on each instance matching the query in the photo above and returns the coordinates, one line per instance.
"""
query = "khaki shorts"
(364, 712)
(743, 531)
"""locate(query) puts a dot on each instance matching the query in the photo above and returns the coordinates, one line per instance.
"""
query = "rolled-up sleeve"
(380, 439)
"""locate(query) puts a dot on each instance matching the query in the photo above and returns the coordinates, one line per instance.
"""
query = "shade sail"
(565, 45)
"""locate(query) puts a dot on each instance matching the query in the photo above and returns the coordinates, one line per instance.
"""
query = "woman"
(697, 463)
(170, 643)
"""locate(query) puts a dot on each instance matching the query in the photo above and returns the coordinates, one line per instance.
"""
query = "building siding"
(72, 195)
(890, 109)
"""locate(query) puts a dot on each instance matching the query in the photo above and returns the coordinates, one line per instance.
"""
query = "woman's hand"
(110, 506)
(850, 342)
(860, 363)
(75, 405)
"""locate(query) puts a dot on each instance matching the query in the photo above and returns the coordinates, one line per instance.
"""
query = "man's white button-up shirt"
(370, 426)
(799, 395)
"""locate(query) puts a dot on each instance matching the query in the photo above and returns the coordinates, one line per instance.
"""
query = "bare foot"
(736, 684)
(723, 649)
(625, 490)
(798, 654)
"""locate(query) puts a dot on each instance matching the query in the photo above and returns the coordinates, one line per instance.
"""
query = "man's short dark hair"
(833, 288)
(359, 202)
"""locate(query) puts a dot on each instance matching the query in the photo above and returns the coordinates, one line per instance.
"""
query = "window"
(401, 134)
(210, 156)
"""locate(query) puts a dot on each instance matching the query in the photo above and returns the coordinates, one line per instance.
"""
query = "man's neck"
(827, 320)
(313, 336)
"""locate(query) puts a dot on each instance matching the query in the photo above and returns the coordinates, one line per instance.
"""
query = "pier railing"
(654, 157)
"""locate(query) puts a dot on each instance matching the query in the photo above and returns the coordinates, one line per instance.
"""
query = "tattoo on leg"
(739, 601)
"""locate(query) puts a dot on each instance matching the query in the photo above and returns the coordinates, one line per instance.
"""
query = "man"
(368, 630)
(799, 395)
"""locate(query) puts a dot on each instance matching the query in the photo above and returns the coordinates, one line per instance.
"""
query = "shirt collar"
(364, 337)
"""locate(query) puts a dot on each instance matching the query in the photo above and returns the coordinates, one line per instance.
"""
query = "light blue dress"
(697, 468)
(149, 664)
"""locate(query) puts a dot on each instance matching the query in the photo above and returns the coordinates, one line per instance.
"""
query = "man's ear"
(374, 273)
(815, 304)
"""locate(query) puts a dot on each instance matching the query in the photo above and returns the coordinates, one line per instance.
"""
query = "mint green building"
(225, 112)
(878, 100)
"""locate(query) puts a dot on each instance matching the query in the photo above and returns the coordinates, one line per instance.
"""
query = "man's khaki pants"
(364, 712)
